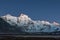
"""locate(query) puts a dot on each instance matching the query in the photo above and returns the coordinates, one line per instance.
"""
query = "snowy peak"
(24, 17)
(46, 22)
(10, 19)
(56, 24)
(7, 16)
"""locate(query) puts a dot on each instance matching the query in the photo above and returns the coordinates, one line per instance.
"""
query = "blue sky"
(36, 9)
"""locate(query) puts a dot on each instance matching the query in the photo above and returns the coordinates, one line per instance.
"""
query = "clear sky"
(36, 9)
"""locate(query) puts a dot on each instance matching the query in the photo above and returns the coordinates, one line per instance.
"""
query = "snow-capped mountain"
(23, 20)
(29, 25)
(10, 19)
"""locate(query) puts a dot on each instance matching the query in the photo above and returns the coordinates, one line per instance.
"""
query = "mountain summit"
(23, 19)
(26, 24)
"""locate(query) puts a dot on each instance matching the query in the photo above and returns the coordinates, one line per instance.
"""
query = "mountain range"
(23, 23)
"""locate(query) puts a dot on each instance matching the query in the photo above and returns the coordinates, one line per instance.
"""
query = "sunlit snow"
(29, 25)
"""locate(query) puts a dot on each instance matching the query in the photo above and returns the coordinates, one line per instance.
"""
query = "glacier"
(28, 25)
